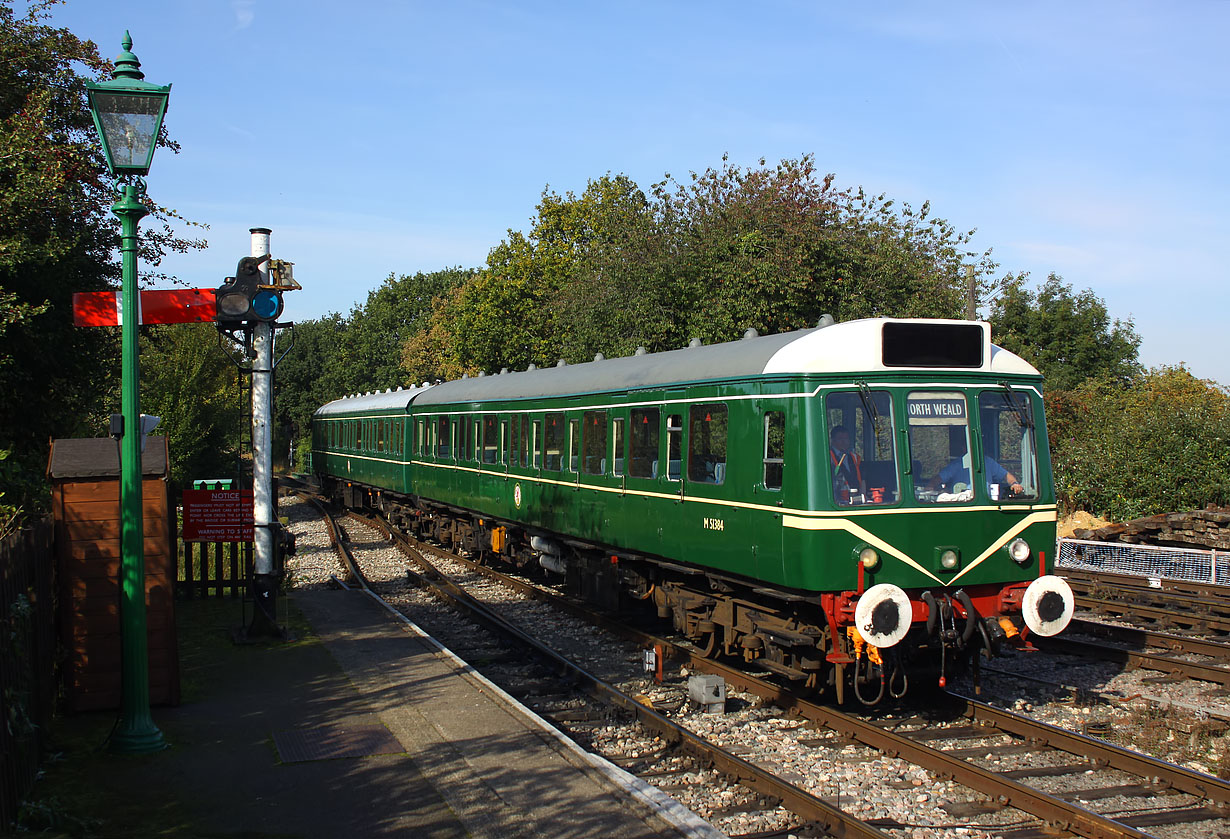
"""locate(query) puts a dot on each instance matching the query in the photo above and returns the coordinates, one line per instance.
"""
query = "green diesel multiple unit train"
(847, 506)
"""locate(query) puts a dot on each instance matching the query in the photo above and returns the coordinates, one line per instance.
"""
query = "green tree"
(1068, 337)
(188, 381)
(769, 247)
(57, 237)
(775, 248)
(1155, 444)
(377, 331)
(312, 373)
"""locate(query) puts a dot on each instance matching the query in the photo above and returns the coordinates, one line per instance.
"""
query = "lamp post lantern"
(128, 114)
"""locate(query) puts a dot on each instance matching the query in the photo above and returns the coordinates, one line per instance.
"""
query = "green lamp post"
(128, 114)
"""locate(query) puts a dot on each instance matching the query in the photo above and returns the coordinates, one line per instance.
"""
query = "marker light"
(869, 558)
(948, 560)
(1018, 549)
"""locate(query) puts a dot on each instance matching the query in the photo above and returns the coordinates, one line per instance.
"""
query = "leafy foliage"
(57, 237)
(1068, 337)
(334, 356)
(1155, 444)
(771, 248)
(187, 380)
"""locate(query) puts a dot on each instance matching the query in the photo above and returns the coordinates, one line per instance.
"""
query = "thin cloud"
(245, 13)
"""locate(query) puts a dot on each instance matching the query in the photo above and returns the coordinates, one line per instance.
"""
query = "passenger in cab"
(848, 481)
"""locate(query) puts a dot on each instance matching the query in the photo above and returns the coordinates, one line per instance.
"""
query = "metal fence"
(1191, 564)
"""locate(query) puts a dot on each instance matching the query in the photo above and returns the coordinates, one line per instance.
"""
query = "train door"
(767, 532)
(536, 447)
(574, 450)
(670, 536)
(712, 479)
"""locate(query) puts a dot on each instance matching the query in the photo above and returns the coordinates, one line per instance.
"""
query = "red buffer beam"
(185, 305)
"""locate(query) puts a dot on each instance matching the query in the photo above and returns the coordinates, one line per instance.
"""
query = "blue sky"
(377, 137)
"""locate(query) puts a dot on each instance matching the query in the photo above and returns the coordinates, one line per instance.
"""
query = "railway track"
(1151, 605)
(1153, 602)
(1135, 647)
(949, 745)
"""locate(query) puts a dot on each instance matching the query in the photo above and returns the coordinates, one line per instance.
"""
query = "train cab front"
(888, 636)
(943, 495)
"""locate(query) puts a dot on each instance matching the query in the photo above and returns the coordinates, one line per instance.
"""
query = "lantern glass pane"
(130, 124)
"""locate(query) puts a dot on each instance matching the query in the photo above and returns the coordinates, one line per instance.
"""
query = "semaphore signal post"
(247, 307)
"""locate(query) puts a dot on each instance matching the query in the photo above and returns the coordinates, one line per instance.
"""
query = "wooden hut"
(85, 483)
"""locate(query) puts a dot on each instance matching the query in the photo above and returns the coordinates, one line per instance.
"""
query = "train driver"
(957, 472)
(847, 468)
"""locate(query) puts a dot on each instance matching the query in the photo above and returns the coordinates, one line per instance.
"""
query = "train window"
(418, 437)
(674, 446)
(707, 444)
(475, 441)
(491, 443)
(442, 427)
(574, 444)
(593, 442)
(643, 439)
(515, 451)
(359, 434)
(379, 435)
(554, 442)
(861, 447)
(1009, 451)
(537, 426)
(617, 447)
(505, 446)
(525, 440)
(939, 446)
(774, 448)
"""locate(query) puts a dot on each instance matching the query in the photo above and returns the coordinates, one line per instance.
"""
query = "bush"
(1156, 444)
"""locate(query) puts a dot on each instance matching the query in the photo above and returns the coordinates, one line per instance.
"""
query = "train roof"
(381, 400)
(862, 347)
(857, 346)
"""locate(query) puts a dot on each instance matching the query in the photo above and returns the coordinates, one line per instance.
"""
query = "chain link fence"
(1191, 564)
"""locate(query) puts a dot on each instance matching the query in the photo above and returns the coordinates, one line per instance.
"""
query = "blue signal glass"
(267, 305)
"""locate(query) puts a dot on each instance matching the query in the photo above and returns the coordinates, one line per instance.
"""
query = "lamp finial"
(126, 64)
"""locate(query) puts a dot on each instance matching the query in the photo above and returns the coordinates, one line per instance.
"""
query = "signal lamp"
(244, 298)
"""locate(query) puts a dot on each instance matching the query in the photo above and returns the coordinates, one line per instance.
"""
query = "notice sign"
(218, 515)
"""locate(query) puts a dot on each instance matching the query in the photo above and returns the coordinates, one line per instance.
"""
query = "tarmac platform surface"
(496, 770)
(363, 728)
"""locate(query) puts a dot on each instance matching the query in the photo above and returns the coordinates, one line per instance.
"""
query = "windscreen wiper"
(869, 403)
(1023, 415)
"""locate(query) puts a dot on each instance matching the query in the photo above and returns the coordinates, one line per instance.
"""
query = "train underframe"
(812, 640)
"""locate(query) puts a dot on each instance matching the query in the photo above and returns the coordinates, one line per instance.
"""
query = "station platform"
(365, 727)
